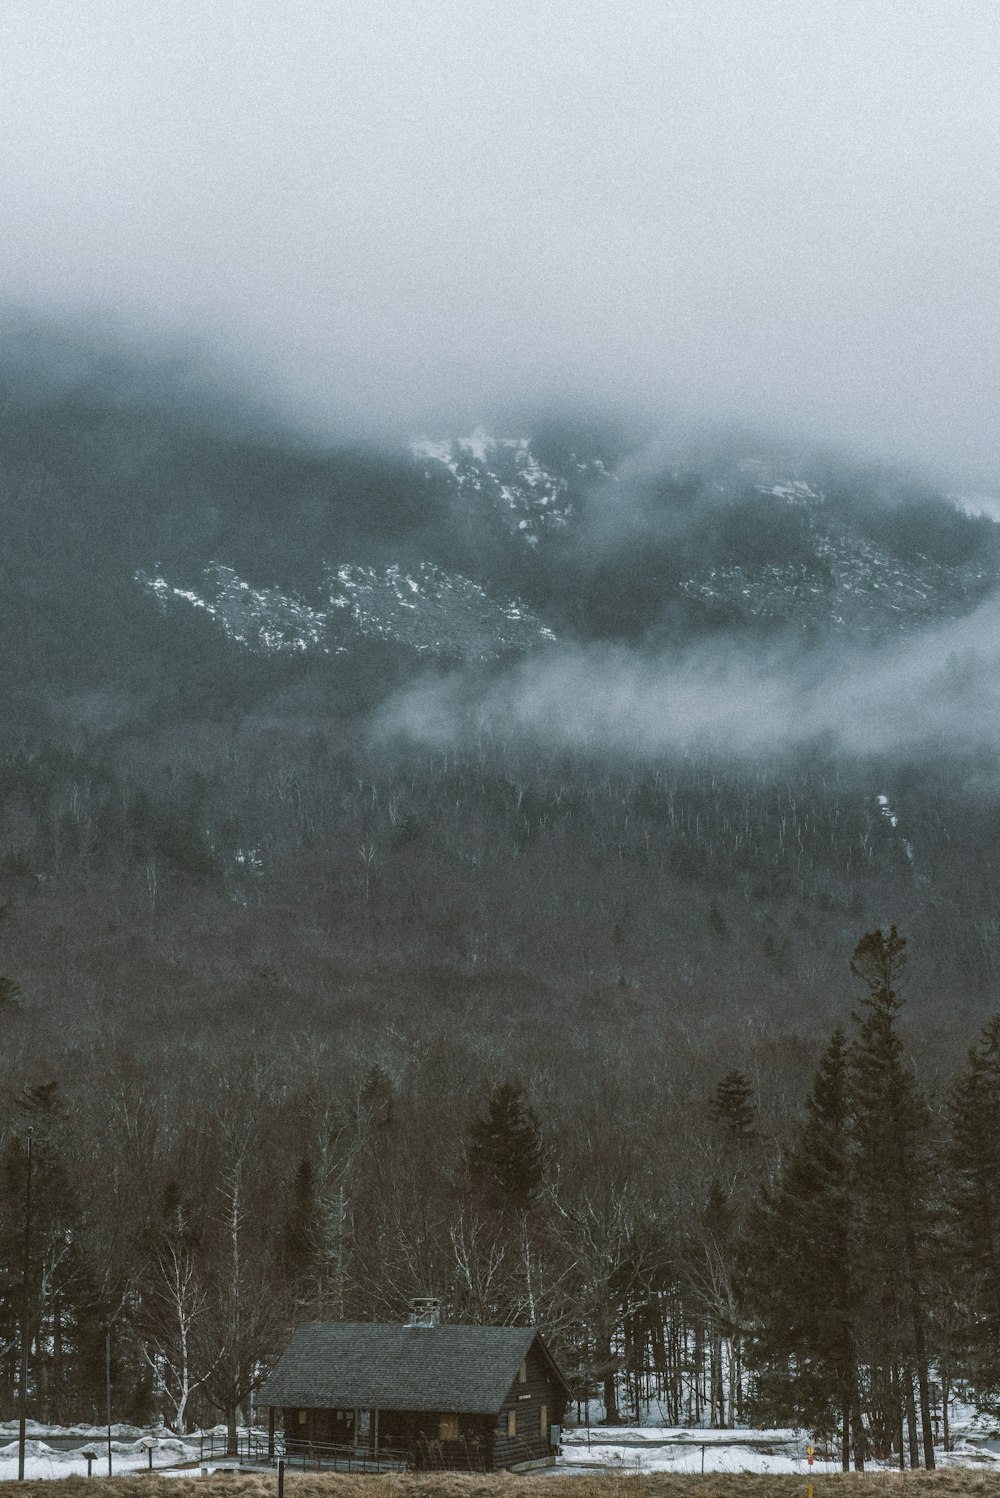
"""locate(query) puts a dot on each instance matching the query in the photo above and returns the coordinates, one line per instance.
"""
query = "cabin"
(469, 1398)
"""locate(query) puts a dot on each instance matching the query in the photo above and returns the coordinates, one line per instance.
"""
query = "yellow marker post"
(810, 1457)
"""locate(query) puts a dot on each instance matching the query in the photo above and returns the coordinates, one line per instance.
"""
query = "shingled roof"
(372, 1365)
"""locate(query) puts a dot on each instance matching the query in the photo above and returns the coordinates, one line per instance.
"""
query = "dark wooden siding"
(526, 1401)
(320, 1428)
(417, 1432)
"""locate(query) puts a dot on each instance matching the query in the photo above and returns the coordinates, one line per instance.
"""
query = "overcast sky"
(420, 212)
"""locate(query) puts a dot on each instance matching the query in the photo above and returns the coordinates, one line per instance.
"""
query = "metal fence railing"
(256, 1448)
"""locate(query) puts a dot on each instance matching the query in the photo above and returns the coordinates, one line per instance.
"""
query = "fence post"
(281, 1477)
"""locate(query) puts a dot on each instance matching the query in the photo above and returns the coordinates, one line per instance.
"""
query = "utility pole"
(22, 1392)
(107, 1384)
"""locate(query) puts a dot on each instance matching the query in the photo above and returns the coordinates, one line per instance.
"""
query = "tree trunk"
(911, 1418)
(845, 1436)
(920, 1349)
(858, 1432)
(611, 1415)
(925, 1417)
(231, 1449)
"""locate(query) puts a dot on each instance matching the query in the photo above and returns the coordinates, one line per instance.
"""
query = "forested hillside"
(314, 1004)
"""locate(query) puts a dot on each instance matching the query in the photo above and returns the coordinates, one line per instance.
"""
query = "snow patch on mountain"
(794, 491)
(888, 815)
(432, 611)
(260, 618)
(850, 582)
(503, 475)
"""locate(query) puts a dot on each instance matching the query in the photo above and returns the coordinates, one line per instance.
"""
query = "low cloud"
(403, 216)
(938, 691)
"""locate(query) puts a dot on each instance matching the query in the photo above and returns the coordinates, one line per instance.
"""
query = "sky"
(416, 215)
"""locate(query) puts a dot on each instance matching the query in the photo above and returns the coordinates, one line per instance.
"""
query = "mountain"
(170, 549)
(536, 554)
(209, 618)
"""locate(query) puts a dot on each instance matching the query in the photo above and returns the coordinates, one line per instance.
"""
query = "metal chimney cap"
(425, 1310)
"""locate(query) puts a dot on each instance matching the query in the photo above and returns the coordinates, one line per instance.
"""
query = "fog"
(404, 216)
(934, 693)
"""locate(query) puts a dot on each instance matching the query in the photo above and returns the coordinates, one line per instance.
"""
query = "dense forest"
(304, 1018)
(305, 1030)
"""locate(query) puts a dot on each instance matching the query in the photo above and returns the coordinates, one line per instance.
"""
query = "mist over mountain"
(545, 643)
(174, 550)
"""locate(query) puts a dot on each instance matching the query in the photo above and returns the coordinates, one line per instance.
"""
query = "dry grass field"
(544, 1485)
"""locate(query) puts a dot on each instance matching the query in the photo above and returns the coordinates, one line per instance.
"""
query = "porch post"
(270, 1432)
(375, 1431)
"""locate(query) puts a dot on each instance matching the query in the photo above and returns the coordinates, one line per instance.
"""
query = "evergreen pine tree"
(893, 1206)
(799, 1273)
(61, 1289)
(734, 1108)
(505, 1157)
(974, 1174)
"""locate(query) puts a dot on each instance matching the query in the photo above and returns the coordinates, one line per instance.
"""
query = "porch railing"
(254, 1447)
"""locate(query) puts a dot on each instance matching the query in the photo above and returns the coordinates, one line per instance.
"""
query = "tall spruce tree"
(505, 1157)
(800, 1276)
(892, 1177)
(734, 1108)
(973, 1176)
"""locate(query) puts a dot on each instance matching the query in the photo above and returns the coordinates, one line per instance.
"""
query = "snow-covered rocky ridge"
(432, 611)
(800, 561)
(850, 584)
(503, 477)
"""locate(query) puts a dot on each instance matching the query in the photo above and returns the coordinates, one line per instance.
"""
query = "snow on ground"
(677, 1449)
(46, 1453)
(622, 1449)
(662, 1448)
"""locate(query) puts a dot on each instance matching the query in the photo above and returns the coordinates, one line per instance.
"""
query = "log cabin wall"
(527, 1401)
(319, 1428)
(460, 1442)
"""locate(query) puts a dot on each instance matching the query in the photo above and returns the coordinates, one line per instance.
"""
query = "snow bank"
(44, 1459)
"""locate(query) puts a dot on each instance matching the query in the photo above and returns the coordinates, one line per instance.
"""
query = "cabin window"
(512, 1422)
(543, 1419)
(522, 1373)
(448, 1428)
(303, 1416)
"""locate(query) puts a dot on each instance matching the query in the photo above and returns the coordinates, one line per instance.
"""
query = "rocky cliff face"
(752, 545)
